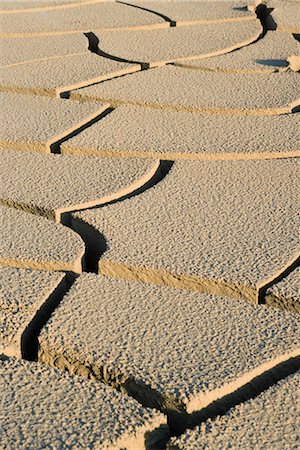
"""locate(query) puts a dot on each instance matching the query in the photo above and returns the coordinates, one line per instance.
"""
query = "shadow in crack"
(94, 48)
(152, 11)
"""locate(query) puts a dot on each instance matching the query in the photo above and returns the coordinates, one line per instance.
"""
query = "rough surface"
(172, 43)
(267, 55)
(70, 412)
(29, 122)
(286, 15)
(136, 131)
(267, 421)
(206, 226)
(52, 184)
(22, 293)
(123, 330)
(215, 92)
(99, 15)
(34, 242)
(286, 291)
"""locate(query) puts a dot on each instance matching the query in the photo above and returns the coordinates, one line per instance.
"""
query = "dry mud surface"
(149, 211)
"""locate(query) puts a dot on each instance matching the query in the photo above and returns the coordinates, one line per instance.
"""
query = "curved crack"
(152, 11)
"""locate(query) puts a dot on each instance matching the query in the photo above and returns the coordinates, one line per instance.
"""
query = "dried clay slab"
(286, 292)
(225, 227)
(105, 15)
(266, 55)
(51, 185)
(23, 293)
(145, 132)
(44, 408)
(179, 89)
(157, 47)
(270, 420)
(32, 242)
(30, 122)
(170, 349)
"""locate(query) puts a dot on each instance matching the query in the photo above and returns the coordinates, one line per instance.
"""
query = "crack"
(95, 242)
(180, 416)
(29, 338)
(94, 48)
(54, 144)
(74, 267)
(274, 279)
(152, 11)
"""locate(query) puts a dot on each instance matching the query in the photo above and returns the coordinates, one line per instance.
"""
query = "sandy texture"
(29, 122)
(286, 15)
(286, 291)
(136, 131)
(45, 77)
(267, 421)
(212, 92)
(123, 331)
(53, 184)
(89, 16)
(172, 43)
(34, 242)
(22, 293)
(197, 10)
(268, 54)
(222, 227)
(44, 408)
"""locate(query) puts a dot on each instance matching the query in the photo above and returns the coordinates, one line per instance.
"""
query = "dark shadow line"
(281, 276)
(55, 147)
(29, 339)
(94, 48)
(163, 16)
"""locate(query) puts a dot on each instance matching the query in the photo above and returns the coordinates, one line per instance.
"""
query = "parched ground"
(149, 208)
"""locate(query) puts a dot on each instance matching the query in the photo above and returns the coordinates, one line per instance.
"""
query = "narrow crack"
(55, 143)
(276, 278)
(152, 11)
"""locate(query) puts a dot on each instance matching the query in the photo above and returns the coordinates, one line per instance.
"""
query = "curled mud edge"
(180, 415)
(149, 27)
(74, 267)
(201, 156)
(288, 109)
(62, 215)
(231, 71)
(253, 294)
(50, 8)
